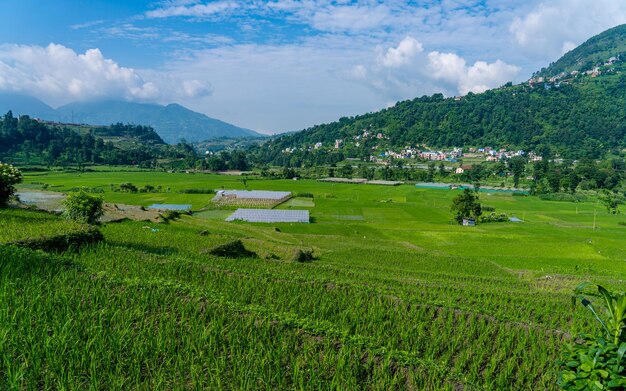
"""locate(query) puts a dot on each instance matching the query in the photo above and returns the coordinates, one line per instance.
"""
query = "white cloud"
(477, 78)
(57, 74)
(552, 28)
(406, 51)
(404, 71)
(192, 10)
(350, 18)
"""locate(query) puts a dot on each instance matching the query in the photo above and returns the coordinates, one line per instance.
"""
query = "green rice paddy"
(398, 297)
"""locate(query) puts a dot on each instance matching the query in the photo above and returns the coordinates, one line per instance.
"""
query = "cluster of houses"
(494, 155)
(365, 134)
(555, 80)
(488, 153)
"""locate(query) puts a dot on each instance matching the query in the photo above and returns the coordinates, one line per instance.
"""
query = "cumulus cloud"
(191, 10)
(406, 51)
(59, 75)
(550, 29)
(405, 71)
(477, 78)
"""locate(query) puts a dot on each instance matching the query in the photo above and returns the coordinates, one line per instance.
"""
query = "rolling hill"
(172, 122)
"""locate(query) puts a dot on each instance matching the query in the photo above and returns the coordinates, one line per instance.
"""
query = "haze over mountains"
(172, 122)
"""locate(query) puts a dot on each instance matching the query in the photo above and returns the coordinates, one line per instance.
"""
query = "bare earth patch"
(116, 212)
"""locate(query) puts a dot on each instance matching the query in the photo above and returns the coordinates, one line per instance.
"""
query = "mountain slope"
(172, 122)
(582, 115)
(595, 51)
(23, 104)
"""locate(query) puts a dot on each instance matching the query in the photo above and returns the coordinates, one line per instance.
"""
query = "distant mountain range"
(172, 122)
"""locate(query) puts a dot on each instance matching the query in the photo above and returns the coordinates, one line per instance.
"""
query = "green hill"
(594, 52)
(580, 115)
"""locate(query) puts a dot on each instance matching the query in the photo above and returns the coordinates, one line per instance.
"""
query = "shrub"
(493, 217)
(303, 256)
(83, 207)
(9, 177)
(128, 187)
(197, 191)
(305, 195)
(488, 208)
(597, 362)
(234, 249)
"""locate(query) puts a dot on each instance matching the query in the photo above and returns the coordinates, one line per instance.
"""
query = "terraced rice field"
(396, 297)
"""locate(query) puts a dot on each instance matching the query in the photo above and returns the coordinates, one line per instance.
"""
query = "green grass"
(21, 224)
(398, 297)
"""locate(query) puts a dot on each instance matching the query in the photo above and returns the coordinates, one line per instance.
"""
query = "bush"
(305, 195)
(494, 218)
(234, 249)
(303, 256)
(83, 207)
(9, 177)
(128, 187)
(197, 191)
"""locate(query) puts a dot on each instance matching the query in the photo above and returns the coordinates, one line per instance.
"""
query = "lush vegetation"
(581, 119)
(573, 115)
(29, 141)
(392, 294)
(466, 205)
(9, 177)
(590, 54)
(83, 207)
(596, 362)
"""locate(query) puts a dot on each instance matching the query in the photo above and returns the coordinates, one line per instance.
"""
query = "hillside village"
(385, 156)
(612, 65)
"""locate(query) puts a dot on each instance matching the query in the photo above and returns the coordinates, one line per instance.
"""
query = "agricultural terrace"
(396, 297)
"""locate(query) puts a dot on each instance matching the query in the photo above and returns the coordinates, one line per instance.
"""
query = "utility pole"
(594, 219)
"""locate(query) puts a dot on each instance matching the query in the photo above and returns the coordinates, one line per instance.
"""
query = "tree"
(346, 171)
(9, 177)
(466, 205)
(611, 201)
(517, 165)
(83, 207)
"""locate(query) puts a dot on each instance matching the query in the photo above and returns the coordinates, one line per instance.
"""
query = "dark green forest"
(33, 142)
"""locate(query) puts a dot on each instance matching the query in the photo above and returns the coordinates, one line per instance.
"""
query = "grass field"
(398, 297)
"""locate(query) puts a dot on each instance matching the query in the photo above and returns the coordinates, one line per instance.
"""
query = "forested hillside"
(572, 115)
(29, 141)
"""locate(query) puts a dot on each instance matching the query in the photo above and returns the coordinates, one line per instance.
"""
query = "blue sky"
(279, 65)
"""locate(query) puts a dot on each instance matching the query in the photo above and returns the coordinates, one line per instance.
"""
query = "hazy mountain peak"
(172, 122)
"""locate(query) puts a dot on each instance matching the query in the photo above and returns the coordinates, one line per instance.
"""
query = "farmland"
(397, 296)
